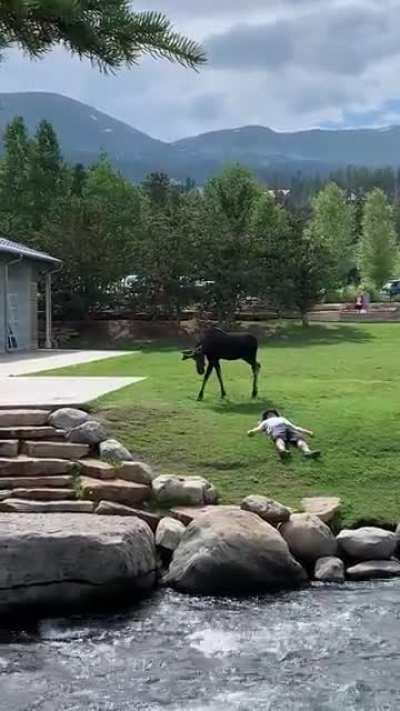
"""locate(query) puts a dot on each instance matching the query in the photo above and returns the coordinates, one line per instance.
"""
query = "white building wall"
(2, 325)
(20, 304)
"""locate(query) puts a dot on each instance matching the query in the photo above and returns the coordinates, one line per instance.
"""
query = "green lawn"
(342, 381)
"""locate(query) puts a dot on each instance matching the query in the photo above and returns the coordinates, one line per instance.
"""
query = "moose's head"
(198, 356)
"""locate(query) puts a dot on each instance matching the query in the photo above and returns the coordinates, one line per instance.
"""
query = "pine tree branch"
(107, 32)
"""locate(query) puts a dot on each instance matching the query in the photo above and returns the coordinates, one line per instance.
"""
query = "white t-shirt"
(275, 425)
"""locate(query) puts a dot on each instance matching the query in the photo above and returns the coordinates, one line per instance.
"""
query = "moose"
(216, 345)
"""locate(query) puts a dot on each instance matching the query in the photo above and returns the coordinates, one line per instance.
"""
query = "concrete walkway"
(37, 361)
(55, 391)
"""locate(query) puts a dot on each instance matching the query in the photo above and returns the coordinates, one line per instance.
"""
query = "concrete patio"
(53, 391)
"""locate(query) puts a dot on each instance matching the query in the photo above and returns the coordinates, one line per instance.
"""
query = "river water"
(326, 648)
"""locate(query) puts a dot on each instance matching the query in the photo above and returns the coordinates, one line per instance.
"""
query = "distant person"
(359, 302)
(284, 433)
(365, 302)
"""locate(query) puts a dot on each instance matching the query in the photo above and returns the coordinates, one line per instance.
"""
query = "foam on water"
(324, 649)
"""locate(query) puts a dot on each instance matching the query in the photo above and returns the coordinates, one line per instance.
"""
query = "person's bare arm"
(255, 430)
(301, 430)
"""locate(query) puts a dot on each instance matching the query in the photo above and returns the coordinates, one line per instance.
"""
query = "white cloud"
(284, 63)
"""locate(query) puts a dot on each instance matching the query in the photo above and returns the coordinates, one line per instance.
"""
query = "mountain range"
(84, 132)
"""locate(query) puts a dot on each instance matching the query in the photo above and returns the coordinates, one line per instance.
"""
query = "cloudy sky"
(287, 64)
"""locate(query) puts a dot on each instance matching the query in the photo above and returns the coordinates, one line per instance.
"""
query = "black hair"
(268, 413)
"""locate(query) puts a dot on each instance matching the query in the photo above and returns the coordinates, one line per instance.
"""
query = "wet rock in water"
(169, 533)
(374, 569)
(185, 491)
(325, 507)
(66, 418)
(53, 561)
(308, 537)
(269, 510)
(90, 432)
(232, 552)
(368, 543)
(329, 569)
(113, 451)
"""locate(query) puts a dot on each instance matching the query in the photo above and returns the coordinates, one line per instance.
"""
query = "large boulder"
(269, 510)
(113, 451)
(308, 537)
(372, 569)
(90, 432)
(367, 543)
(186, 514)
(138, 472)
(183, 491)
(325, 507)
(66, 418)
(329, 570)
(53, 561)
(232, 552)
(169, 533)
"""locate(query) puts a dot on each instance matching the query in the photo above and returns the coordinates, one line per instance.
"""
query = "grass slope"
(342, 381)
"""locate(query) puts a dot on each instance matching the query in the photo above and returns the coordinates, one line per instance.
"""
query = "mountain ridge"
(84, 132)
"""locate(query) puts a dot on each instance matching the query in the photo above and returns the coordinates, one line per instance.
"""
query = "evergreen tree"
(15, 180)
(48, 175)
(78, 179)
(378, 251)
(157, 187)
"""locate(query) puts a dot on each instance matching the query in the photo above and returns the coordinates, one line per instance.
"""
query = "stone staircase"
(41, 471)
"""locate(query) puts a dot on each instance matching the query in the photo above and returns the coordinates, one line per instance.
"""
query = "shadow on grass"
(316, 335)
(253, 407)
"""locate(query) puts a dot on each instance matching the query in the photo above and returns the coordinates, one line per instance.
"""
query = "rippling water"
(327, 648)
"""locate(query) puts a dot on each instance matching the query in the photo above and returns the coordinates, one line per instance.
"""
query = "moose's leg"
(256, 367)
(207, 375)
(221, 382)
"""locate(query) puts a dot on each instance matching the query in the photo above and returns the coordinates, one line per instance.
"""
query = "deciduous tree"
(378, 251)
(331, 225)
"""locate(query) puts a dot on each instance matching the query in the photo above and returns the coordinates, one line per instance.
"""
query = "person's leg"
(303, 446)
(280, 445)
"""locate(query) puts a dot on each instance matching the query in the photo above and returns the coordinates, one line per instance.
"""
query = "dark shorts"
(288, 435)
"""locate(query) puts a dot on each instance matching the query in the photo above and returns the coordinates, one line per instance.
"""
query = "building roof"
(7, 246)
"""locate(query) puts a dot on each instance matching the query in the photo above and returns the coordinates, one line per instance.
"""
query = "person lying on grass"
(284, 433)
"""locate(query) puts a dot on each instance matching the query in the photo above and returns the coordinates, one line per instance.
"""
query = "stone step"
(36, 482)
(110, 508)
(117, 490)
(52, 494)
(9, 448)
(23, 418)
(32, 466)
(96, 469)
(39, 432)
(59, 450)
(26, 506)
